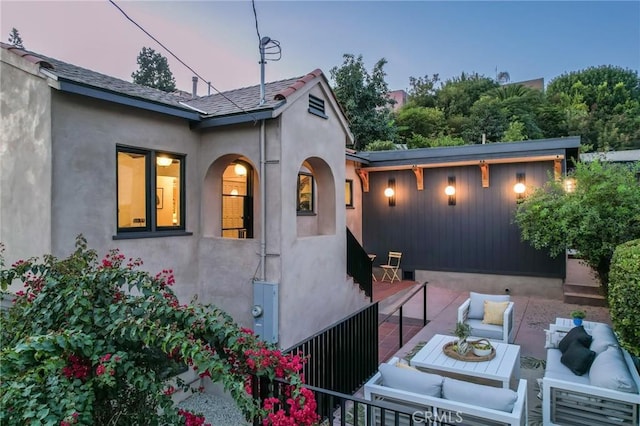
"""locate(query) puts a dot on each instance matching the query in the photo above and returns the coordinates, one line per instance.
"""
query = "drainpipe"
(263, 204)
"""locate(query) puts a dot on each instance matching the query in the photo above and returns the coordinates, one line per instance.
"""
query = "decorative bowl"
(481, 352)
(481, 347)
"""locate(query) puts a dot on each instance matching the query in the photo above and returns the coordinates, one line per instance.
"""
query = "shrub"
(624, 295)
(93, 342)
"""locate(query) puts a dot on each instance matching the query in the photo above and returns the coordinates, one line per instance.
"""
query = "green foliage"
(363, 97)
(515, 132)
(578, 314)
(457, 95)
(624, 295)
(154, 71)
(602, 105)
(15, 39)
(427, 122)
(486, 117)
(422, 92)
(462, 330)
(602, 212)
(419, 141)
(381, 146)
(93, 342)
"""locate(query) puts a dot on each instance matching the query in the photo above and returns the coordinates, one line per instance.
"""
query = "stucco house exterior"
(236, 196)
(249, 202)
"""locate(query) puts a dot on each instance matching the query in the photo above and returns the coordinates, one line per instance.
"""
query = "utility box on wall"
(265, 311)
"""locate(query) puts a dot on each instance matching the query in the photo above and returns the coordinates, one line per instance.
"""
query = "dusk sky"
(218, 39)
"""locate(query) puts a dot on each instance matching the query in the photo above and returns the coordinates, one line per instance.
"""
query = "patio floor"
(532, 315)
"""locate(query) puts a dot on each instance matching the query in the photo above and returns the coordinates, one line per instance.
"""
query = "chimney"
(194, 93)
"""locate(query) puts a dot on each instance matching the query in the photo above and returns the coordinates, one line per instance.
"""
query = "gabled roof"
(238, 102)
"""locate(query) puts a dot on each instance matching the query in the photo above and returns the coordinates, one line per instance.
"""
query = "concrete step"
(584, 295)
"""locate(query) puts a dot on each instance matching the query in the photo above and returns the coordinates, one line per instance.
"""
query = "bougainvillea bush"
(92, 341)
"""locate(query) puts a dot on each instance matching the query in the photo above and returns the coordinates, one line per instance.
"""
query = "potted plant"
(481, 347)
(462, 332)
(578, 316)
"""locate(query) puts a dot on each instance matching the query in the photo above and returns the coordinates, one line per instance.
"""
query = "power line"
(255, 120)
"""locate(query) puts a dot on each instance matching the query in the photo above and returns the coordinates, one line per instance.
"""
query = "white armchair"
(472, 312)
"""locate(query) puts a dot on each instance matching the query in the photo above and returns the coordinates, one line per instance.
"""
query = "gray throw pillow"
(476, 307)
(609, 370)
(411, 381)
(480, 395)
(603, 337)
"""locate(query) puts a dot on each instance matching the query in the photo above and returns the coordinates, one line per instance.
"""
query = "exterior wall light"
(450, 190)
(164, 161)
(519, 188)
(569, 185)
(390, 192)
(240, 170)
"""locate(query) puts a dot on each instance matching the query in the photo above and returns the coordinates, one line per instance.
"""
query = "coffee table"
(502, 368)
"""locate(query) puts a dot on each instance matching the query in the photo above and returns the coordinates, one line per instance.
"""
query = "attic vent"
(316, 106)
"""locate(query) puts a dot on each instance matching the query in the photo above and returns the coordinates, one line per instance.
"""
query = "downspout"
(263, 204)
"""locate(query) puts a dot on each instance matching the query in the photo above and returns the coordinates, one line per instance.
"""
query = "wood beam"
(364, 178)
(419, 180)
(484, 170)
(557, 168)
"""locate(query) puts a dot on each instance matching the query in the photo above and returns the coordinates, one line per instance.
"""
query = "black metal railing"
(335, 408)
(400, 309)
(359, 265)
(344, 355)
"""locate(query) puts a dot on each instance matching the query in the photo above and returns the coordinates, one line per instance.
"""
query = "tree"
(380, 146)
(154, 71)
(457, 95)
(428, 122)
(423, 90)
(15, 39)
(363, 97)
(601, 213)
(608, 99)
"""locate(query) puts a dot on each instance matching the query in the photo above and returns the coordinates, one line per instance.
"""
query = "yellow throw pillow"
(493, 312)
(406, 366)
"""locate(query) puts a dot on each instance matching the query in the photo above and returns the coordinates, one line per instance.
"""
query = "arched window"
(237, 200)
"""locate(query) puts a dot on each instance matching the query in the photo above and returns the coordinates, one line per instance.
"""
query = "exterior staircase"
(581, 287)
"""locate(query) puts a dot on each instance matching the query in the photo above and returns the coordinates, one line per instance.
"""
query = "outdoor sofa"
(606, 393)
(433, 398)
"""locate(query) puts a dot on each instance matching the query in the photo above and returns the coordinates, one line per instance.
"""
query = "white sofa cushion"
(609, 370)
(476, 306)
(410, 380)
(603, 337)
(481, 395)
(489, 331)
(556, 370)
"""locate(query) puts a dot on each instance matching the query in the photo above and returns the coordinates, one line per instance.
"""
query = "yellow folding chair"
(392, 266)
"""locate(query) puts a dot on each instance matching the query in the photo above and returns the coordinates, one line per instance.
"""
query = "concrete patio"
(532, 314)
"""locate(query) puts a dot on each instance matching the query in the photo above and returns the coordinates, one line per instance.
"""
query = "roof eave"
(230, 119)
(119, 98)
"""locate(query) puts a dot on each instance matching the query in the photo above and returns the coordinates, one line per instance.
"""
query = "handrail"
(359, 265)
(422, 287)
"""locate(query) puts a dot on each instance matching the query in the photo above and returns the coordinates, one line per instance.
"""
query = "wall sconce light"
(240, 170)
(450, 190)
(164, 161)
(519, 188)
(390, 192)
(569, 185)
(234, 192)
